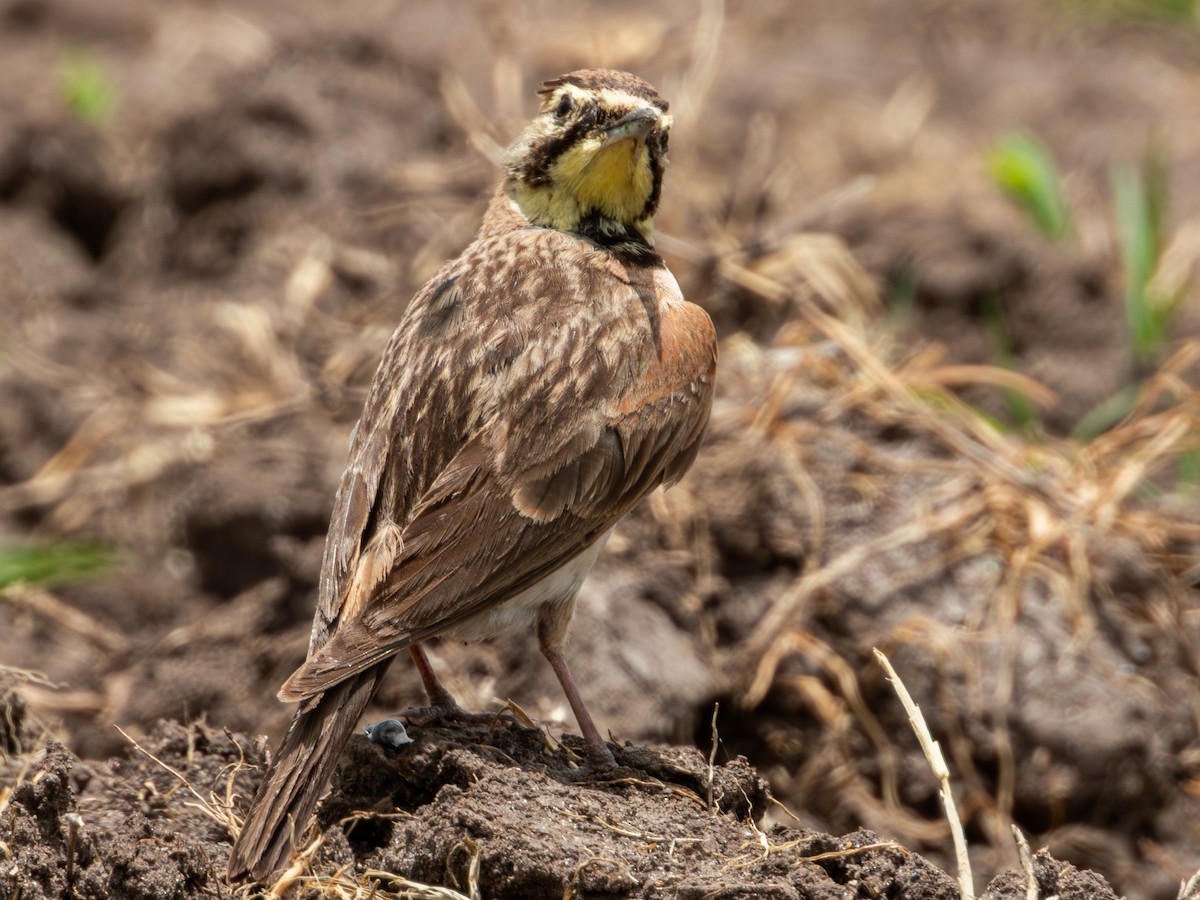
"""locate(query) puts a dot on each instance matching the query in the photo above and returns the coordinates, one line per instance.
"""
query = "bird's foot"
(452, 712)
(587, 761)
(600, 759)
(599, 765)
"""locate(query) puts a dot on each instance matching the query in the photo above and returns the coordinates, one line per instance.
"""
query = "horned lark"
(535, 390)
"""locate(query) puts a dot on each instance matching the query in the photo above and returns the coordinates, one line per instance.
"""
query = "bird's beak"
(635, 125)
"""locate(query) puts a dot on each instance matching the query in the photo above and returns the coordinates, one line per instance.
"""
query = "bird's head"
(592, 160)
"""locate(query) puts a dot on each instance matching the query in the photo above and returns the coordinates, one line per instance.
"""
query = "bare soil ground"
(195, 288)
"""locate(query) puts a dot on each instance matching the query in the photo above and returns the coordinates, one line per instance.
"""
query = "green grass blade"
(1105, 414)
(1134, 235)
(1021, 409)
(1025, 170)
(53, 564)
(1189, 470)
(1137, 10)
(1140, 203)
(901, 298)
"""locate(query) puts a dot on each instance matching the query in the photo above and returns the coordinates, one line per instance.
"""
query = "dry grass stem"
(45, 604)
(400, 888)
(786, 610)
(712, 759)
(214, 809)
(702, 65)
(474, 854)
(855, 851)
(1031, 885)
(941, 772)
(61, 702)
(32, 676)
(470, 118)
(294, 873)
(572, 891)
(643, 836)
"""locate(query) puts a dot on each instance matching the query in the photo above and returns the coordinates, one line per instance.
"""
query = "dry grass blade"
(209, 806)
(73, 702)
(1031, 885)
(21, 777)
(403, 889)
(941, 771)
(645, 837)
(795, 641)
(474, 854)
(785, 611)
(702, 67)
(139, 465)
(958, 427)
(572, 891)
(43, 603)
(470, 118)
(712, 760)
(964, 375)
(855, 851)
(32, 676)
(844, 853)
(294, 873)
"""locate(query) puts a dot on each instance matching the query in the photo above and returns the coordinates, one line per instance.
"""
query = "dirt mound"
(461, 807)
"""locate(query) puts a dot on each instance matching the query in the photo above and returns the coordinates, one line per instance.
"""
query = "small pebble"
(390, 733)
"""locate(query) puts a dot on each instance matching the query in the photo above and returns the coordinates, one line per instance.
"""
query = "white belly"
(560, 586)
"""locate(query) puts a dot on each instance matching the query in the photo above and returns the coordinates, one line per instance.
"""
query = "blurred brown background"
(212, 214)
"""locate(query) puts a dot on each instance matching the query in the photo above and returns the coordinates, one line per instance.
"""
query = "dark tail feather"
(298, 774)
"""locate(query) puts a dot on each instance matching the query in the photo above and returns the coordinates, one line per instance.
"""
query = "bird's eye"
(565, 105)
(663, 138)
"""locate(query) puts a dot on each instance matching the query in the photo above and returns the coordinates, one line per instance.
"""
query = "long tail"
(299, 773)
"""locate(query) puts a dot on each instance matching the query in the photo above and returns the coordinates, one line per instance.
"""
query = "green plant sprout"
(1139, 203)
(1021, 410)
(1188, 471)
(1105, 414)
(88, 91)
(1161, 10)
(1024, 169)
(52, 564)
(901, 297)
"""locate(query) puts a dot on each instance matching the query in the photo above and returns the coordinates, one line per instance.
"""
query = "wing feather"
(558, 438)
(471, 546)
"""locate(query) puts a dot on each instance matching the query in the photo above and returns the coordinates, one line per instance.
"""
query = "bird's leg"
(434, 689)
(442, 705)
(553, 622)
(598, 753)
